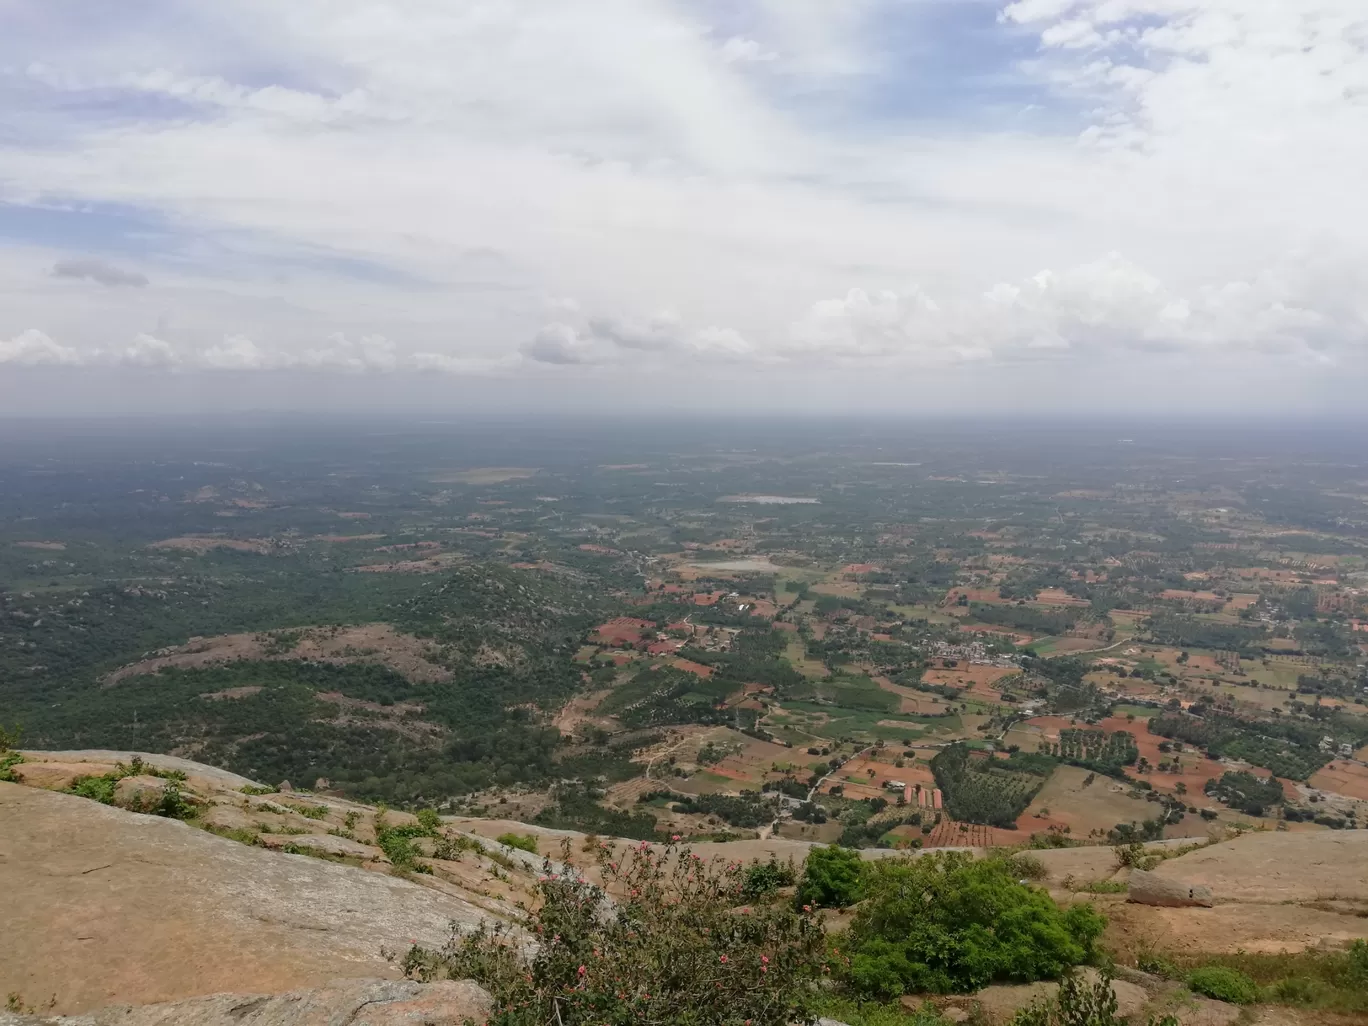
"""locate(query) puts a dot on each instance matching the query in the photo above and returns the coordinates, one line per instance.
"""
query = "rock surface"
(139, 790)
(104, 906)
(998, 1004)
(1271, 867)
(339, 1003)
(1167, 891)
(106, 759)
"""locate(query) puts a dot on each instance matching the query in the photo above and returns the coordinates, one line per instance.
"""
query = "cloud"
(240, 353)
(558, 344)
(146, 351)
(738, 49)
(91, 269)
(756, 184)
(1104, 307)
(370, 353)
(656, 334)
(32, 348)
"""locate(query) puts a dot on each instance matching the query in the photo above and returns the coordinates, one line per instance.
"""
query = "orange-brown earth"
(369, 643)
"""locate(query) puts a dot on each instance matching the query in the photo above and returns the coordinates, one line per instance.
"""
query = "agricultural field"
(593, 631)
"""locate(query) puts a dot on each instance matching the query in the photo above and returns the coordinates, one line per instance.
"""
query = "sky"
(867, 205)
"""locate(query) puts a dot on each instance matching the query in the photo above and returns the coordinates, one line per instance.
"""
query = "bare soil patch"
(1057, 597)
(47, 546)
(431, 565)
(230, 693)
(1343, 777)
(484, 475)
(200, 544)
(915, 702)
(1197, 769)
(579, 712)
(369, 643)
(1065, 803)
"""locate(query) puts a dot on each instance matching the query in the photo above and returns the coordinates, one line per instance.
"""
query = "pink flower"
(764, 959)
(724, 959)
(582, 970)
(807, 908)
(674, 837)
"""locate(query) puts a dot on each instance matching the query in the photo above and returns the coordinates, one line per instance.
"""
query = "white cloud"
(370, 353)
(658, 333)
(318, 178)
(31, 348)
(240, 353)
(738, 49)
(559, 344)
(147, 351)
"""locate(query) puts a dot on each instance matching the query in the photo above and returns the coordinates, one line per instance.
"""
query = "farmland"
(653, 627)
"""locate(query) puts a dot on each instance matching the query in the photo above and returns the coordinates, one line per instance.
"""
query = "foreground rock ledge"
(105, 907)
(339, 1003)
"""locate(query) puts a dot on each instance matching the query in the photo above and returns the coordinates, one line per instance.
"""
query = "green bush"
(676, 949)
(100, 789)
(1080, 1003)
(9, 756)
(947, 923)
(429, 820)
(1223, 984)
(522, 842)
(764, 878)
(833, 877)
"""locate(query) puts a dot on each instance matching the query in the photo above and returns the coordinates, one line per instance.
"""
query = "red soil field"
(1346, 778)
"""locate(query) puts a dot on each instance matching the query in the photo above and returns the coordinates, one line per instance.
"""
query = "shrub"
(1223, 984)
(1080, 1003)
(9, 755)
(674, 948)
(1028, 867)
(946, 923)
(519, 841)
(764, 878)
(100, 789)
(429, 820)
(833, 877)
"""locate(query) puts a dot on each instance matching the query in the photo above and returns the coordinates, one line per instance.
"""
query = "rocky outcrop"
(1272, 867)
(1167, 891)
(341, 1002)
(104, 906)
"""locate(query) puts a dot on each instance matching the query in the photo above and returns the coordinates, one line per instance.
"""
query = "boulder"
(1001, 1002)
(1167, 891)
(355, 1002)
(139, 792)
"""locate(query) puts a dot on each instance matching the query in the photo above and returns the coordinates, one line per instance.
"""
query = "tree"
(948, 923)
(832, 878)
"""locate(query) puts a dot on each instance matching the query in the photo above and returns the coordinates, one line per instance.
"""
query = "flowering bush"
(676, 946)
